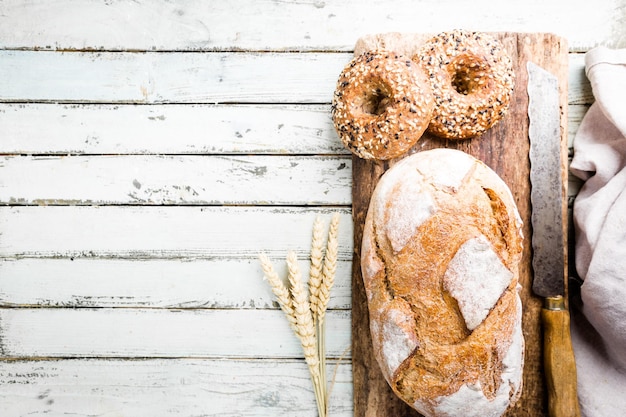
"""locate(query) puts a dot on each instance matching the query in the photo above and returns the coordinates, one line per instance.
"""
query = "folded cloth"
(599, 315)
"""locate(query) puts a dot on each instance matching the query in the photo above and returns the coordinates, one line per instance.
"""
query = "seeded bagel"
(382, 105)
(472, 79)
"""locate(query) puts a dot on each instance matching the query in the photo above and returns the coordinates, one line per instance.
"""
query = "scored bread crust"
(440, 253)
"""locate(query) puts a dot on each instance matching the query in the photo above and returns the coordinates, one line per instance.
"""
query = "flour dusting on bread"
(465, 280)
(398, 337)
(447, 171)
(405, 215)
(371, 263)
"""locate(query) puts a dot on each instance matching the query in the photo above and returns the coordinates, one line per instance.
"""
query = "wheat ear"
(302, 310)
(279, 289)
(315, 273)
(330, 266)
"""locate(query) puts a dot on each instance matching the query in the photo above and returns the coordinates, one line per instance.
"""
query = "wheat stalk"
(328, 280)
(306, 329)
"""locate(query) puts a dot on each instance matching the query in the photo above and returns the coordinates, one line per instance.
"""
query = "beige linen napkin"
(599, 310)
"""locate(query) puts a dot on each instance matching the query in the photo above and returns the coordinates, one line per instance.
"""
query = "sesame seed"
(376, 89)
(481, 68)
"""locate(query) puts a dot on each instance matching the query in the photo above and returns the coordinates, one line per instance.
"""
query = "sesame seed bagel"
(472, 79)
(382, 105)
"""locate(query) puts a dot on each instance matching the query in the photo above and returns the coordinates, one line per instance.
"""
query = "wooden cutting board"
(504, 148)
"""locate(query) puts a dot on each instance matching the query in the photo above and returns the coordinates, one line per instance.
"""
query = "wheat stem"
(319, 396)
(321, 349)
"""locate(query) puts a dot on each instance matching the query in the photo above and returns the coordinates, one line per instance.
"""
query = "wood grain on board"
(505, 149)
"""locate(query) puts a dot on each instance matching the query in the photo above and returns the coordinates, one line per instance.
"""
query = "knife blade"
(548, 258)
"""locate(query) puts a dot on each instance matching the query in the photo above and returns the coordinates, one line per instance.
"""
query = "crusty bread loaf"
(440, 253)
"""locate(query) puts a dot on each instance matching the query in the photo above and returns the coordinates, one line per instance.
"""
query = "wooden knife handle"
(559, 364)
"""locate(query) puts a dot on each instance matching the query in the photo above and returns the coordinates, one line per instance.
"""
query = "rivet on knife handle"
(548, 243)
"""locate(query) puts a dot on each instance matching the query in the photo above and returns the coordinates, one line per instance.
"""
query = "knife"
(548, 259)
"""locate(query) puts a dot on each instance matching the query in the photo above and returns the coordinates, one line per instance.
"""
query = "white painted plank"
(302, 25)
(118, 77)
(579, 88)
(214, 283)
(156, 129)
(167, 129)
(173, 387)
(164, 232)
(112, 77)
(129, 333)
(174, 129)
(575, 115)
(167, 180)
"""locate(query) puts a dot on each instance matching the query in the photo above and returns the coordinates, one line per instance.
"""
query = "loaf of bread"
(440, 253)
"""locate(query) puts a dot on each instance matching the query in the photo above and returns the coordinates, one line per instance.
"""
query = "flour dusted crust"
(440, 253)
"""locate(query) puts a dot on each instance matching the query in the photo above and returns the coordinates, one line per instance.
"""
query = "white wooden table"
(149, 150)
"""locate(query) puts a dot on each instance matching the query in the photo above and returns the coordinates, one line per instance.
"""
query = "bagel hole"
(375, 102)
(468, 75)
